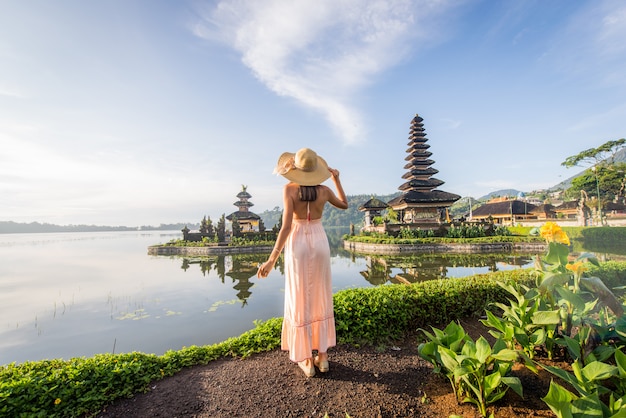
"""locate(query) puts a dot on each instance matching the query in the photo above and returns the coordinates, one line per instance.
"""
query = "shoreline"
(213, 250)
(363, 248)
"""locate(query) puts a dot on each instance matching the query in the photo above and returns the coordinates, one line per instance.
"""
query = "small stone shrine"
(421, 205)
(372, 208)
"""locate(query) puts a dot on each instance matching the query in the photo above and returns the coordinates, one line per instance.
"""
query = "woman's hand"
(334, 173)
(264, 269)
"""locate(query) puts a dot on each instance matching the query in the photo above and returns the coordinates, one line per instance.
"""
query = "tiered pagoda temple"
(248, 221)
(421, 205)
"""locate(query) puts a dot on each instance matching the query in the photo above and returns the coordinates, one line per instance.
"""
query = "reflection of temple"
(381, 270)
(206, 264)
(377, 272)
(241, 272)
(248, 221)
(413, 269)
(239, 268)
(421, 205)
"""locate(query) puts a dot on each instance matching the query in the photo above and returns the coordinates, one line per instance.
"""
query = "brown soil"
(362, 382)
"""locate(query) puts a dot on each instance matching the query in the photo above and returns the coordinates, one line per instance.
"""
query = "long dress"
(308, 322)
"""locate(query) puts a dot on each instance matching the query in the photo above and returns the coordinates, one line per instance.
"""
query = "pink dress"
(308, 323)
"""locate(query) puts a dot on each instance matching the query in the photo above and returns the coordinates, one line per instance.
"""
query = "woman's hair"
(307, 193)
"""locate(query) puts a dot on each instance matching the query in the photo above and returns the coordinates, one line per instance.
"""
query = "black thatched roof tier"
(417, 148)
(543, 208)
(373, 204)
(241, 215)
(438, 197)
(421, 184)
(243, 204)
(418, 138)
(419, 165)
(424, 171)
(507, 207)
(614, 206)
(417, 155)
(244, 195)
(570, 204)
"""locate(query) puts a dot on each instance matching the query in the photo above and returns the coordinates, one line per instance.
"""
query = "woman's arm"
(340, 201)
(281, 239)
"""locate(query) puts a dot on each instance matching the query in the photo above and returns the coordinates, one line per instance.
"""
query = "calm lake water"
(66, 295)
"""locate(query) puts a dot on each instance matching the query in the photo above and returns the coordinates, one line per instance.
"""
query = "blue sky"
(149, 111)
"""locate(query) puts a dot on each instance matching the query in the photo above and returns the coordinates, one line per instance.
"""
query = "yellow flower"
(57, 401)
(553, 233)
(561, 237)
(577, 267)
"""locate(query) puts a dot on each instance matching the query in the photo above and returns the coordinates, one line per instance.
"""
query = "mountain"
(10, 227)
(500, 193)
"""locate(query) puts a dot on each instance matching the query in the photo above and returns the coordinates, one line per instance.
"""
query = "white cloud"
(322, 53)
(612, 30)
(38, 182)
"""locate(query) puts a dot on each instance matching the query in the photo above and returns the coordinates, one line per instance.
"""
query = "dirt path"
(362, 382)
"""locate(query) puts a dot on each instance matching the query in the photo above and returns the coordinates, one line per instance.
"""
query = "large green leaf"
(620, 360)
(506, 355)
(546, 318)
(557, 253)
(483, 349)
(559, 400)
(572, 298)
(599, 371)
(603, 293)
(587, 406)
(588, 257)
(491, 383)
(552, 280)
(514, 383)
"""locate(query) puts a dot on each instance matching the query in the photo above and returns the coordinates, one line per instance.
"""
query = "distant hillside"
(620, 157)
(500, 193)
(10, 227)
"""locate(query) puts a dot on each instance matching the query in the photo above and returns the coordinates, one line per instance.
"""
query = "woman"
(308, 322)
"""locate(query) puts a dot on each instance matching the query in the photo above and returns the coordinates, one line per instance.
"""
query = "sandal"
(307, 367)
(322, 365)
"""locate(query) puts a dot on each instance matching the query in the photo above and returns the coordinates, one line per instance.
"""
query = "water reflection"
(418, 268)
(379, 270)
(241, 269)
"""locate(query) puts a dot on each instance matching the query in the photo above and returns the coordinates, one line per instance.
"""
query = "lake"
(66, 295)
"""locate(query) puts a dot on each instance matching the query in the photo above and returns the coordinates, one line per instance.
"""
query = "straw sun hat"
(305, 167)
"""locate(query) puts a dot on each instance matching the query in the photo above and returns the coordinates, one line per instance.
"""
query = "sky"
(145, 112)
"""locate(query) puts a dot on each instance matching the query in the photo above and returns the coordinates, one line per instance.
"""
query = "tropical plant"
(478, 373)
(587, 381)
(524, 320)
(566, 304)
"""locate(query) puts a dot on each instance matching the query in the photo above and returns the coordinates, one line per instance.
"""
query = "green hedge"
(378, 315)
